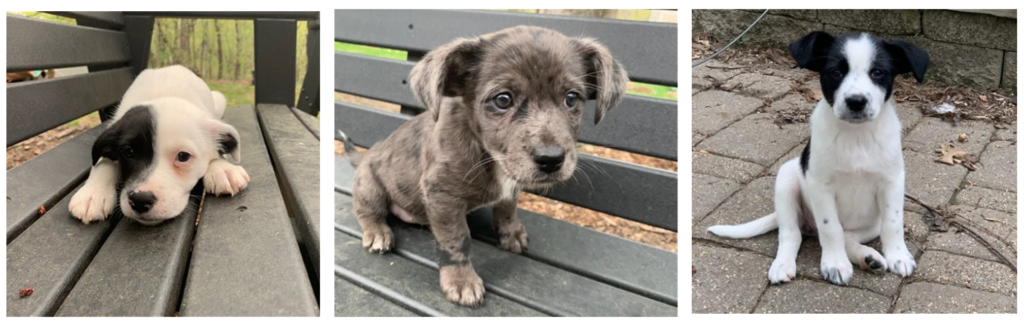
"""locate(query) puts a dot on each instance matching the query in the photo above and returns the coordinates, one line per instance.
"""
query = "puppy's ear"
(606, 79)
(908, 58)
(106, 145)
(810, 51)
(225, 137)
(445, 71)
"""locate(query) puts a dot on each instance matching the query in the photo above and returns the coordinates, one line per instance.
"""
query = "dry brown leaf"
(950, 154)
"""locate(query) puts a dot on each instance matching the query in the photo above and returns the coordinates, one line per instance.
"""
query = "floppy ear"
(810, 51)
(225, 137)
(445, 71)
(908, 57)
(106, 145)
(606, 79)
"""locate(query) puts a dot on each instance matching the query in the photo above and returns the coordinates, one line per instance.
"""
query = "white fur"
(186, 118)
(860, 53)
(855, 181)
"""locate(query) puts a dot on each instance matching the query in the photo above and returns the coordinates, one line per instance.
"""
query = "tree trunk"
(238, 50)
(220, 52)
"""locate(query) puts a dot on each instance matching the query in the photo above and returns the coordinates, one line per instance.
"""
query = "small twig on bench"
(962, 223)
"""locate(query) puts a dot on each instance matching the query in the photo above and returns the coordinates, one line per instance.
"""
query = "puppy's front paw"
(900, 261)
(378, 240)
(93, 203)
(513, 238)
(461, 285)
(836, 269)
(224, 178)
(782, 271)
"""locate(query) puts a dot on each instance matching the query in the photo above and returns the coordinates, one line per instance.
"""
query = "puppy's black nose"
(856, 103)
(141, 201)
(549, 159)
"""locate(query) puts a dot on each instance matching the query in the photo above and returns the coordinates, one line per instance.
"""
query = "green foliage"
(371, 51)
(217, 49)
(44, 16)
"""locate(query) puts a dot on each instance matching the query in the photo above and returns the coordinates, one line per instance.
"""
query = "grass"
(642, 89)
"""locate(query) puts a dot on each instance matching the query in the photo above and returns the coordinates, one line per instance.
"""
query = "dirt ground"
(29, 148)
(595, 220)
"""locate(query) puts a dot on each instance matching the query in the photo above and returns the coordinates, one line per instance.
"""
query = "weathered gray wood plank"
(246, 259)
(648, 50)
(138, 270)
(49, 257)
(639, 124)
(37, 106)
(352, 301)
(37, 44)
(632, 191)
(296, 156)
(311, 122)
(525, 281)
(410, 280)
(46, 179)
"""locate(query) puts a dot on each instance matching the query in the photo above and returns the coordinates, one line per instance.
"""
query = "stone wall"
(969, 49)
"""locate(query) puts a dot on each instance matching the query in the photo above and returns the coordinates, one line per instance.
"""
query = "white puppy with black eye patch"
(165, 136)
(847, 186)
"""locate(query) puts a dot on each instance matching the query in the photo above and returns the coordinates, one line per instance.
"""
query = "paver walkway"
(737, 149)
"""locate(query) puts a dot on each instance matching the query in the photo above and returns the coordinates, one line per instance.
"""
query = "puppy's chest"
(500, 188)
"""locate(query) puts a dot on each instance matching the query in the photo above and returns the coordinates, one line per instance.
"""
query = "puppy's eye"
(183, 157)
(877, 73)
(571, 99)
(503, 100)
(127, 153)
(835, 73)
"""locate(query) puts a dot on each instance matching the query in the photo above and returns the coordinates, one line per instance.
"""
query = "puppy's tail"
(220, 103)
(354, 157)
(746, 230)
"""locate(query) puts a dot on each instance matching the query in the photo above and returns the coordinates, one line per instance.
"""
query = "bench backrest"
(640, 124)
(115, 48)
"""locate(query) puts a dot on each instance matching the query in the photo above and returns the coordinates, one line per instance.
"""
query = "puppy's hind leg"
(370, 204)
(866, 257)
(787, 211)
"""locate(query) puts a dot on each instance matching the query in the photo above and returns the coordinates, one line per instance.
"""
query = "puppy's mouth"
(855, 118)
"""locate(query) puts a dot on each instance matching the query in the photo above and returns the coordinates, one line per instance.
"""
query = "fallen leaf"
(962, 137)
(983, 98)
(26, 292)
(950, 154)
(42, 210)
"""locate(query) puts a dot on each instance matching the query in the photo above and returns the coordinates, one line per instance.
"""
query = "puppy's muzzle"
(549, 159)
(856, 103)
(141, 201)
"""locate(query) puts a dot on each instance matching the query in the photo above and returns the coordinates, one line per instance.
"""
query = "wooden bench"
(569, 270)
(254, 254)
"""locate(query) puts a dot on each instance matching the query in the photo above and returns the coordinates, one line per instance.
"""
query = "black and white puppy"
(848, 184)
(165, 136)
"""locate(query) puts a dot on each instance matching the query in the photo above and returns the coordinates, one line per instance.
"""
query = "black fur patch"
(805, 157)
(226, 144)
(445, 257)
(130, 142)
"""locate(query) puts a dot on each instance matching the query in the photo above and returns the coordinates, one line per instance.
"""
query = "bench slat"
(410, 279)
(639, 124)
(37, 106)
(352, 301)
(311, 122)
(138, 270)
(49, 257)
(106, 19)
(584, 251)
(246, 259)
(521, 279)
(46, 179)
(37, 44)
(635, 192)
(293, 149)
(647, 50)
